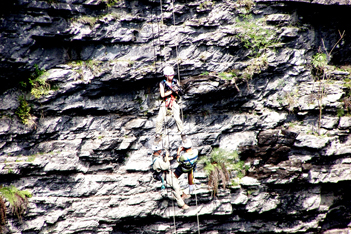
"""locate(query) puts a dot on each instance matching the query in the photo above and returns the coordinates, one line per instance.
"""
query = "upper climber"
(170, 91)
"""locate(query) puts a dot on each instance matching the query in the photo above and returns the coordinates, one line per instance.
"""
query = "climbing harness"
(189, 163)
(169, 101)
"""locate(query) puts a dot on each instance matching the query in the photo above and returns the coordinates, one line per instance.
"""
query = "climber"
(170, 91)
(162, 166)
(187, 162)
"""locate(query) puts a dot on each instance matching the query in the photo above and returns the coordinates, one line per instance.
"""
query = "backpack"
(157, 175)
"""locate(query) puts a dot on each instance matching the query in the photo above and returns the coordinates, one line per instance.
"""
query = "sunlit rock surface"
(86, 153)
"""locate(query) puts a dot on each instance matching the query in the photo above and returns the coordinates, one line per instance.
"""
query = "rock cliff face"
(253, 83)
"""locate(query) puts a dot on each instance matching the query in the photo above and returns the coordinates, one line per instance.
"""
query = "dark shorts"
(180, 170)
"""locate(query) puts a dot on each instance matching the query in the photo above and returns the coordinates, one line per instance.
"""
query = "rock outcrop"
(251, 84)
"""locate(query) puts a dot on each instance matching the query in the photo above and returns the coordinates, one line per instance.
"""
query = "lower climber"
(187, 162)
(162, 166)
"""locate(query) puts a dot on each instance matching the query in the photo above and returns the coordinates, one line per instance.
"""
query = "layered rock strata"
(85, 152)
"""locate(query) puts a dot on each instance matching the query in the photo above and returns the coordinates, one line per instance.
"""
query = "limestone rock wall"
(85, 154)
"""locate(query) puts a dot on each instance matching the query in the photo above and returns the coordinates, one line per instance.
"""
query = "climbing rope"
(173, 206)
(176, 47)
(197, 216)
(181, 111)
(164, 41)
(153, 41)
(197, 212)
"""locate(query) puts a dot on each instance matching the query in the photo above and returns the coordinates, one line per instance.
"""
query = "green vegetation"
(255, 35)
(37, 82)
(259, 39)
(23, 110)
(248, 4)
(31, 158)
(111, 3)
(255, 67)
(37, 86)
(219, 166)
(205, 73)
(319, 70)
(206, 5)
(95, 66)
(340, 112)
(228, 75)
(18, 200)
(319, 61)
(90, 20)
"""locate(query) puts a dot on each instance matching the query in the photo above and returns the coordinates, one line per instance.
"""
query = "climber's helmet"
(187, 144)
(168, 71)
(157, 147)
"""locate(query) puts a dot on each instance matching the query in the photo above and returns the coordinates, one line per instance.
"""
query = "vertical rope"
(176, 46)
(197, 212)
(164, 43)
(197, 216)
(153, 38)
(168, 141)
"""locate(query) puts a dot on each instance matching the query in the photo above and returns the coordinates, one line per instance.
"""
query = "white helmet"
(168, 71)
(157, 147)
(187, 144)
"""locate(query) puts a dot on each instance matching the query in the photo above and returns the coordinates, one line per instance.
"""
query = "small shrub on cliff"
(319, 63)
(254, 35)
(37, 82)
(248, 4)
(256, 66)
(111, 3)
(228, 75)
(23, 110)
(219, 165)
(18, 200)
(206, 5)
